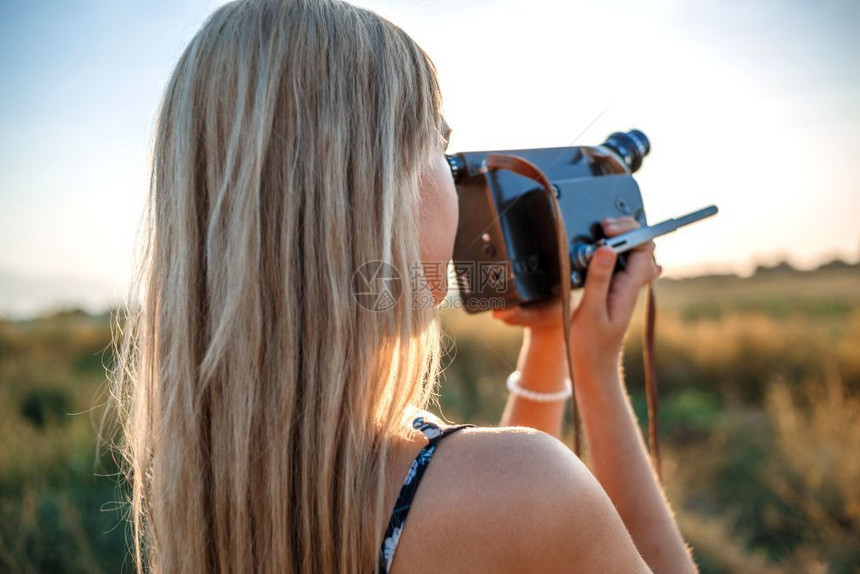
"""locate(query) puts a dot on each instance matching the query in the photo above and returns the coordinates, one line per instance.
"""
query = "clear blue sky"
(754, 106)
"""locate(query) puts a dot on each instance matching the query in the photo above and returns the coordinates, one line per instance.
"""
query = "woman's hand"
(540, 319)
(599, 322)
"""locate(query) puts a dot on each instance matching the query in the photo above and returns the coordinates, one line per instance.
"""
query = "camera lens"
(631, 146)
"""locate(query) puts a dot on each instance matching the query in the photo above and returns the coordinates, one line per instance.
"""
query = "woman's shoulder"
(510, 456)
(511, 499)
(518, 466)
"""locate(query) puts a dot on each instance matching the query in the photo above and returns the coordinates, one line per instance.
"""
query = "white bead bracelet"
(514, 387)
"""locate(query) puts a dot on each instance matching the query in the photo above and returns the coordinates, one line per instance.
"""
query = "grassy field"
(760, 422)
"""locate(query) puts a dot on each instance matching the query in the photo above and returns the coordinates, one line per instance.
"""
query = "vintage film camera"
(506, 245)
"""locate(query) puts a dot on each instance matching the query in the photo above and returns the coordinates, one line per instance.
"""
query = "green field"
(760, 422)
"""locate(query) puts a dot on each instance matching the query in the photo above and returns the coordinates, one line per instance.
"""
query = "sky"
(750, 105)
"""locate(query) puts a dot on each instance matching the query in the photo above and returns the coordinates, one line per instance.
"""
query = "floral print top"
(404, 500)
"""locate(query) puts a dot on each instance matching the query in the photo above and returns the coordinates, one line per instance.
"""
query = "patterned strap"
(407, 492)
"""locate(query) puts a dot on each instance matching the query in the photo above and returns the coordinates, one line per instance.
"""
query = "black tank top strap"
(434, 434)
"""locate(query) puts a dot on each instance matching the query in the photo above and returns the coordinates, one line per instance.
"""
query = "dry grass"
(760, 420)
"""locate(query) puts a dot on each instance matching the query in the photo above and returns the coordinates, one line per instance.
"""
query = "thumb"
(598, 278)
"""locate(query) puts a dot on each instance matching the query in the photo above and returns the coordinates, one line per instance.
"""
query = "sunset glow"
(749, 106)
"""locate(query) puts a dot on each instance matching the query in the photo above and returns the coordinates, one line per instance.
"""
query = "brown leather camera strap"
(651, 376)
(525, 168)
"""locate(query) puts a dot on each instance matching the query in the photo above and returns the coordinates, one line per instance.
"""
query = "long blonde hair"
(258, 400)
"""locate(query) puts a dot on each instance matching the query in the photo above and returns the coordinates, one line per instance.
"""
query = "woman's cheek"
(451, 209)
(439, 219)
(439, 213)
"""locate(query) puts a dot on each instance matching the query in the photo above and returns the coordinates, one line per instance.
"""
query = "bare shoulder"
(513, 499)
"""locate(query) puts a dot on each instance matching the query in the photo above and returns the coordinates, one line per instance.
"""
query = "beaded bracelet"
(514, 387)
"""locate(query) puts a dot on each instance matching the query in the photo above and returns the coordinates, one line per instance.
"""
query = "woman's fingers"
(641, 267)
(640, 270)
(510, 315)
(642, 264)
(597, 281)
(617, 226)
(537, 315)
(636, 256)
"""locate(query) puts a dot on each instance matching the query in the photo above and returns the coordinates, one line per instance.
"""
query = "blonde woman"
(269, 420)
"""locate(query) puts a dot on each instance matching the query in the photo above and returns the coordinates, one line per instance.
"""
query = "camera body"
(506, 250)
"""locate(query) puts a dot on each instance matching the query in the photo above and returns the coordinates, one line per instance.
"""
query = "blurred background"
(753, 106)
